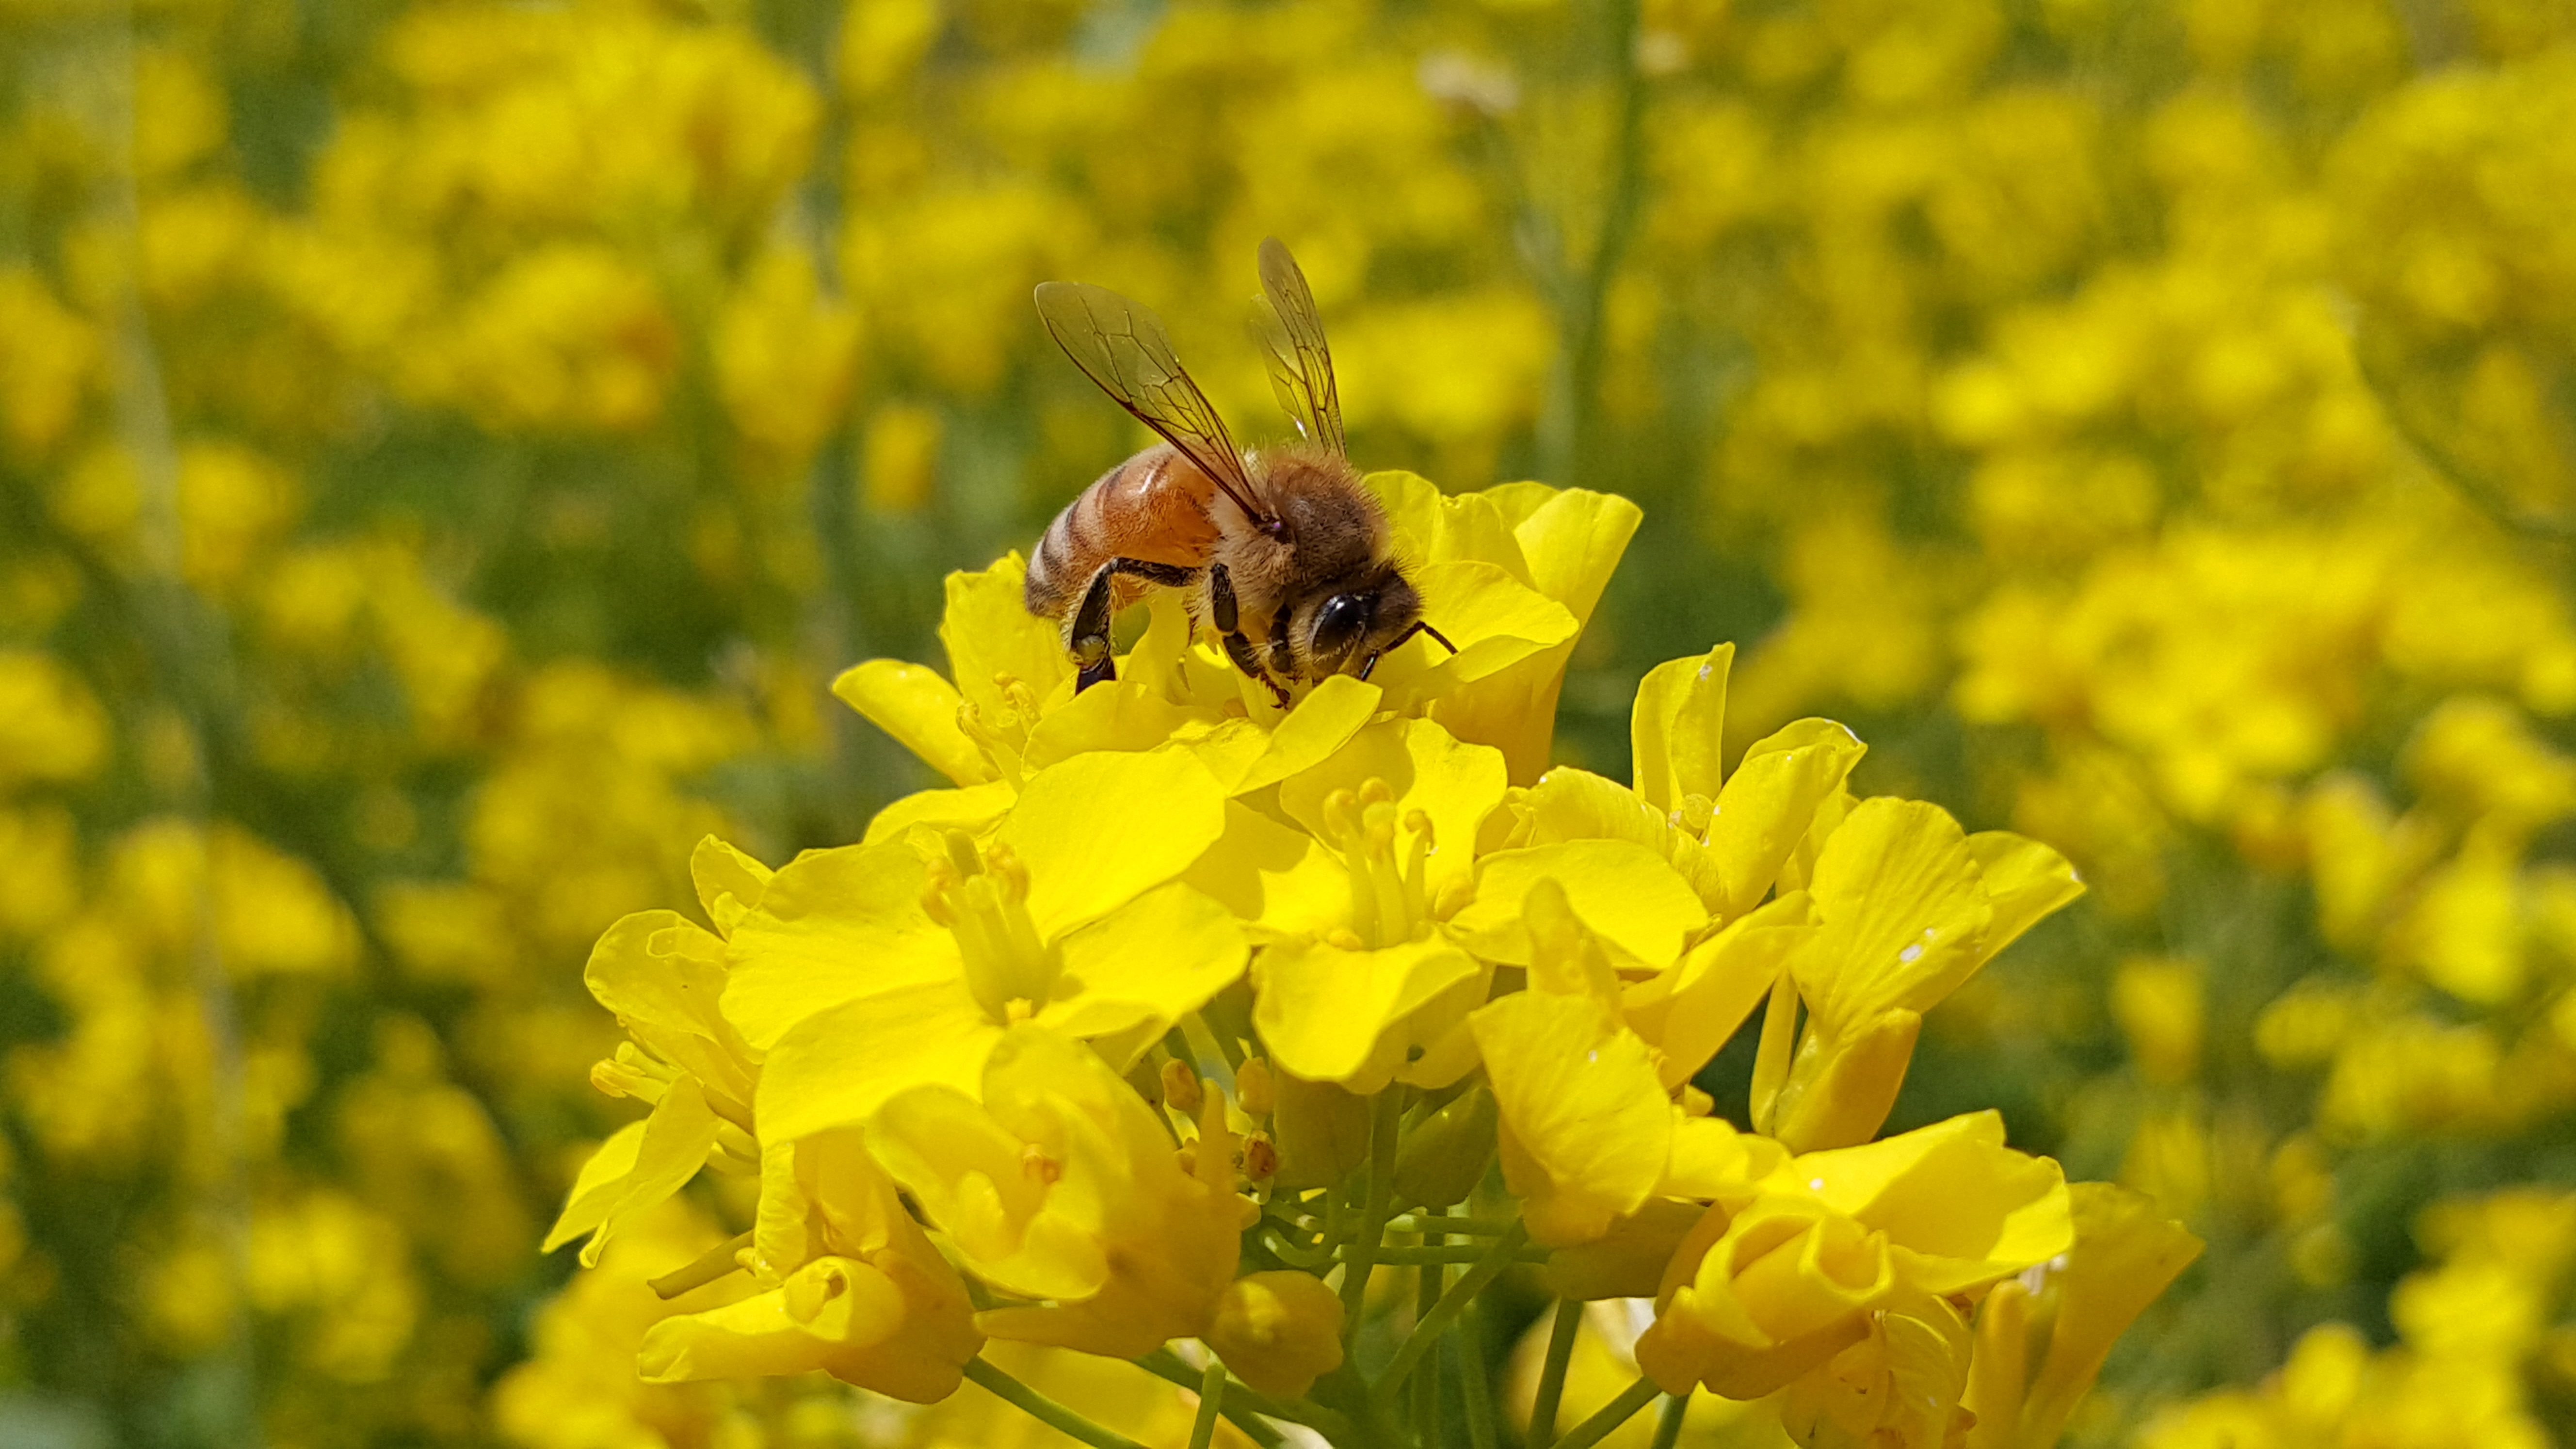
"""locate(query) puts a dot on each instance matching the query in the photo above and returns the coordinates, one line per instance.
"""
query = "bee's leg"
(1419, 627)
(1283, 660)
(1227, 616)
(1087, 637)
(1221, 607)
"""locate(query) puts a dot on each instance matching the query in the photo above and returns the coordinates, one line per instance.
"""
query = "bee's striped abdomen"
(1153, 507)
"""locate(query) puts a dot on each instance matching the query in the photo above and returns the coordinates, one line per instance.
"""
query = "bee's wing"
(1121, 345)
(1301, 366)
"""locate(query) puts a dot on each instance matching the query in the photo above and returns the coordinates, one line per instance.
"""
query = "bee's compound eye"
(1339, 624)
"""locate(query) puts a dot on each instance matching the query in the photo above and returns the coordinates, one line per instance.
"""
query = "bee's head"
(1352, 621)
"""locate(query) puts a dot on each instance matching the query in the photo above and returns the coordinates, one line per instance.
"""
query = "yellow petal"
(1316, 727)
(976, 809)
(834, 1068)
(1959, 1208)
(1572, 804)
(833, 924)
(885, 1326)
(667, 1153)
(598, 1187)
(919, 709)
(729, 882)
(676, 990)
(1846, 1099)
(2126, 1253)
(1902, 908)
(1570, 544)
(1098, 830)
(1496, 620)
(1677, 728)
(1127, 717)
(1623, 893)
(1766, 808)
(990, 634)
(1324, 1011)
(1691, 1009)
(1278, 879)
(1437, 527)
(1587, 1128)
(1154, 960)
(2025, 881)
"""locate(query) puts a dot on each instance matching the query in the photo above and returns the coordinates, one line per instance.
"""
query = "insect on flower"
(1284, 553)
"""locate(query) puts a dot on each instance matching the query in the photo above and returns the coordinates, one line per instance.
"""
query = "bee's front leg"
(1224, 613)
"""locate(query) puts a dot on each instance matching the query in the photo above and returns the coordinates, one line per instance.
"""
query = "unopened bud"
(1443, 1159)
(1253, 1088)
(1181, 1090)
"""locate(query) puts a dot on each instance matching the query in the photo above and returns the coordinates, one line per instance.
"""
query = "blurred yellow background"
(447, 448)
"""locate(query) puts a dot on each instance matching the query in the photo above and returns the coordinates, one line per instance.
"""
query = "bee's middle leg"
(1087, 636)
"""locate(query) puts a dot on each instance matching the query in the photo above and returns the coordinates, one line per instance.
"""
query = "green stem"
(1668, 1427)
(1610, 1415)
(1211, 1399)
(1043, 1409)
(1243, 1408)
(1467, 1253)
(1362, 1253)
(1431, 1223)
(1427, 1331)
(1474, 1383)
(1430, 1281)
(1314, 1259)
(1551, 1379)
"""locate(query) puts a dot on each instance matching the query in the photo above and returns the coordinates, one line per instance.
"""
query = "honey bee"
(1283, 553)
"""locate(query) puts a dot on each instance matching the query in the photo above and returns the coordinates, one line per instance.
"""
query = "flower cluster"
(1175, 1000)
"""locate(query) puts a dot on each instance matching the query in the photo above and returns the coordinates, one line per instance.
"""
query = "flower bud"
(1443, 1159)
(1278, 1331)
(1181, 1091)
(1321, 1132)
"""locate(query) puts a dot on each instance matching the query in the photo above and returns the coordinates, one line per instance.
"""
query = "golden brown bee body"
(1283, 552)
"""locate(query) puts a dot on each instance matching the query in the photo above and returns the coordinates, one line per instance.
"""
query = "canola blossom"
(1185, 1017)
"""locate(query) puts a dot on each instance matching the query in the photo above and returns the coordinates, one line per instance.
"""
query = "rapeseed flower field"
(1992, 862)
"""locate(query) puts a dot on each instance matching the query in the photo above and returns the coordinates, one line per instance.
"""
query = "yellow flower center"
(1388, 903)
(1004, 740)
(982, 898)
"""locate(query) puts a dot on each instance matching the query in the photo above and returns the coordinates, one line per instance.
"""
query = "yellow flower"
(1731, 835)
(664, 975)
(1365, 981)
(1481, 556)
(859, 1291)
(868, 970)
(1061, 1186)
(1772, 1285)
(1908, 907)
(1897, 1388)
(1590, 1130)
(2041, 1338)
